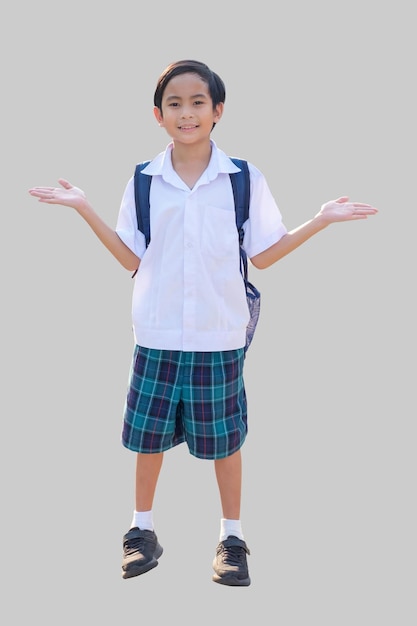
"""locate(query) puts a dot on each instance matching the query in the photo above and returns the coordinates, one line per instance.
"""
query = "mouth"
(188, 127)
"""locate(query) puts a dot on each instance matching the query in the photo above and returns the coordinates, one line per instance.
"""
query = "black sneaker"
(230, 563)
(140, 552)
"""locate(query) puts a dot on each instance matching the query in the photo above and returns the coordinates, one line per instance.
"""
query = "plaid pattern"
(197, 397)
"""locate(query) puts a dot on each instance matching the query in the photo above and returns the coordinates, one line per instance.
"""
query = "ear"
(218, 112)
(158, 116)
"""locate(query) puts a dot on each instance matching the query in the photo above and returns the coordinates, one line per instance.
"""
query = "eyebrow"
(197, 95)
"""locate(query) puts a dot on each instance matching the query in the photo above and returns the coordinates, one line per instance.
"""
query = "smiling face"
(187, 111)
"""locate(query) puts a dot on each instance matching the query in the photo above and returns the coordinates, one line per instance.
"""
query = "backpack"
(241, 192)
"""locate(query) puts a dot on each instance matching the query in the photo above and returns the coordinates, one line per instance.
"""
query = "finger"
(365, 209)
(342, 199)
(363, 212)
(65, 183)
(45, 194)
(41, 190)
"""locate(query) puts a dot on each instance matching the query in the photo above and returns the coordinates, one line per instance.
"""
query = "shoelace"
(233, 555)
(136, 544)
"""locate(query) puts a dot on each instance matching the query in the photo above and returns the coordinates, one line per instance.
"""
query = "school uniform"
(189, 307)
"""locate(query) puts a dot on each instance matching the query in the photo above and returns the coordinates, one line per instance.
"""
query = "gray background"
(320, 97)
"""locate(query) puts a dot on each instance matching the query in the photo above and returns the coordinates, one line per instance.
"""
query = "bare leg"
(229, 480)
(148, 467)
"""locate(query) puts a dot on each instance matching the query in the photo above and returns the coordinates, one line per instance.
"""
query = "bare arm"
(74, 197)
(340, 210)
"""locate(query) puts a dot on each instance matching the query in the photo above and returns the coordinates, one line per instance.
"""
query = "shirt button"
(189, 244)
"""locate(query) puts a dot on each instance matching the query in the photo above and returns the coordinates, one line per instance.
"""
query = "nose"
(186, 111)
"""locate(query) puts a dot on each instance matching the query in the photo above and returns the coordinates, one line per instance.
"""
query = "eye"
(198, 102)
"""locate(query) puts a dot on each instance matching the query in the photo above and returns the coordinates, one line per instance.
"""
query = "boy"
(189, 305)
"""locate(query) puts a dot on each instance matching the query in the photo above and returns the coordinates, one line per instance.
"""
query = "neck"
(190, 162)
(191, 154)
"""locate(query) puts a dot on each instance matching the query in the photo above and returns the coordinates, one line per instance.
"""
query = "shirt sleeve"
(264, 226)
(127, 225)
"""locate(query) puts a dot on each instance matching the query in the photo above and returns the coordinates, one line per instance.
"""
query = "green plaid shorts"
(194, 397)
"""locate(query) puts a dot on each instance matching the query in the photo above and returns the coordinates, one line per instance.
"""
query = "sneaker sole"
(231, 581)
(137, 570)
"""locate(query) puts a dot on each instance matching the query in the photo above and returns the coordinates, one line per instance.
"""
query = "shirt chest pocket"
(219, 236)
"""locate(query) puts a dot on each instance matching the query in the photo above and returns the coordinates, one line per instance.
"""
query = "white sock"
(143, 520)
(230, 527)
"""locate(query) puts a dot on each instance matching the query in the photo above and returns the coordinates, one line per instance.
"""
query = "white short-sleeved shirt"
(189, 293)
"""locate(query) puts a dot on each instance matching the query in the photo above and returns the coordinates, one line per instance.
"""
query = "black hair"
(215, 84)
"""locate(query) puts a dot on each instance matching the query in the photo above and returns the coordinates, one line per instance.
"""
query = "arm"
(340, 210)
(74, 197)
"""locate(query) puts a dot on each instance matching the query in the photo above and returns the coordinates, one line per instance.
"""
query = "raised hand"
(67, 194)
(342, 210)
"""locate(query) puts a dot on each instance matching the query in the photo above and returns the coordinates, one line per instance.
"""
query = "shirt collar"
(219, 164)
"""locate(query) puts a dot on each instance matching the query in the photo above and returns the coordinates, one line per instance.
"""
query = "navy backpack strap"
(142, 188)
(241, 193)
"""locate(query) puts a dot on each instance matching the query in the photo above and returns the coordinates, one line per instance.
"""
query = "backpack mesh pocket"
(253, 298)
